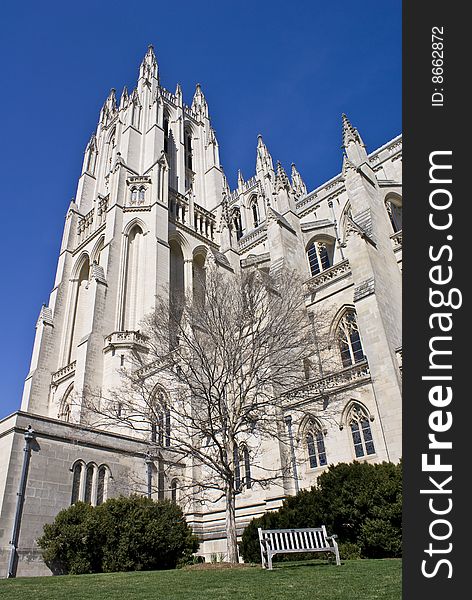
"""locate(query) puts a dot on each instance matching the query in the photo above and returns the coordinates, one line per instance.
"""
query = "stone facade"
(152, 206)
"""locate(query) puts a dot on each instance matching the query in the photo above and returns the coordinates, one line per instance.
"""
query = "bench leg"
(269, 557)
(336, 554)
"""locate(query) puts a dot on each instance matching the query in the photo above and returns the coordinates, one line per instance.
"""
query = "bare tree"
(226, 356)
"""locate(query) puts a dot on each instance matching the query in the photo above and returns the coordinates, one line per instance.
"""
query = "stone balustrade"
(89, 223)
(334, 273)
(126, 338)
(204, 222)
(357, 373)
(64, 373)
(178, 208)
(253, 237)
(397, 240)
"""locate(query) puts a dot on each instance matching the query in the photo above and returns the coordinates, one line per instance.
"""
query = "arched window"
(76, 481)
(66, 406)
(237, 224)
(349, 340)
(188, 150)
(320, 256)
(134, 196)
(241, 455)
(394, 209)
(160, 420)
(101, 485)
(237, 468)
(315, 446)
(198, 278)
(360, 430)
(89, 477)
(166, 133)
(174, 485)
(89, 483)
(255, 212)
(247, 468)
(141, 195)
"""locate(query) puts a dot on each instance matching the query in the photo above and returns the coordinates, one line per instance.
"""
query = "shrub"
(123, 534)
(68, 544)
(360, 502)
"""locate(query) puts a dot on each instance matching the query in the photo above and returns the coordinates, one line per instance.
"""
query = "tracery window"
(160, 421)
(166, 134)
(315, 446)
(360, 430)
(319, 257)
(349, 340)
(188, 150)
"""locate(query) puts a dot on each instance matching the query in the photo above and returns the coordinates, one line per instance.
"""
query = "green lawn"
(355, 579)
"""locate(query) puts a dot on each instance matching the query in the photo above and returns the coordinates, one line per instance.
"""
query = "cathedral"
(152, 207)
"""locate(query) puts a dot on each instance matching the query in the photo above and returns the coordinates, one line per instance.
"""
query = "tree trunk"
(231, 541)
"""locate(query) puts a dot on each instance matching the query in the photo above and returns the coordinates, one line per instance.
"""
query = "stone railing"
(63, 373)
(357, 373)
(253, 237)
(102, 210)
(397, 240)
(85, 226)
(204, 222)
(89, 223)
(126, 338)
(178, 208)
(334, 273)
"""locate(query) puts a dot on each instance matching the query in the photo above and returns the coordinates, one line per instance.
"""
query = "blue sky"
(284, 69)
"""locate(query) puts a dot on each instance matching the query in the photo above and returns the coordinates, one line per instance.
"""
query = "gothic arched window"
(394, 210)
(188, 150)
(89, 480)
(247, 468)
(141, 195)
(319, 256)
(174, 485)
(76, 481)
(237, 224)
(166, 133)
(101, 485)
(134, 196)
(65, 408)
(349, 340)
(255, 212)
(360, 430)
(237, 468)
(315, 446)
(160, 421)
(89, 483)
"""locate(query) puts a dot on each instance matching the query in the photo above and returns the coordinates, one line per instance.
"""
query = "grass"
(313, 580)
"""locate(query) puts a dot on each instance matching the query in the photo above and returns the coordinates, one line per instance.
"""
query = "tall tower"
(151, 165)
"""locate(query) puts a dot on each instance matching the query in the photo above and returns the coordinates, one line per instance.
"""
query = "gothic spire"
(354, 147)
(264, 159)
(281, 178)
(240, 180)
(199, 103)
(298, 185)
(149, 69)
(350, 133)
(109, 106)
(124, 98)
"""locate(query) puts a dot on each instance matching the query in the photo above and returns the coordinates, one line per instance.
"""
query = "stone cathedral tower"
(152, 206)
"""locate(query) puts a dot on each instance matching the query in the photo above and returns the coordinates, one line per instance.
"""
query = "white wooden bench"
(282, 541)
